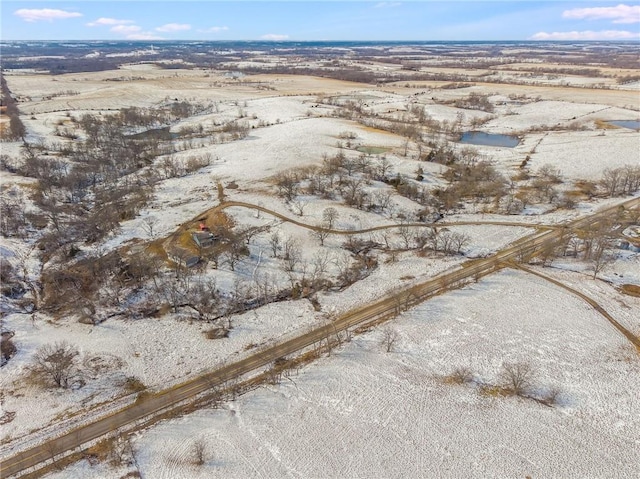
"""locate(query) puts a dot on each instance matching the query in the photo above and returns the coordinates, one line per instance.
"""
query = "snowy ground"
(166, 350)
(361, 413)
(366, 413)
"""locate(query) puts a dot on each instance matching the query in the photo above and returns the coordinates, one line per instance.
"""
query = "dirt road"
(175, 397)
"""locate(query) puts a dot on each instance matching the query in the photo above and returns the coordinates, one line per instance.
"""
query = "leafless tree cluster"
(597, 245)
(544, 182)
(620, 181)
(442, 240)
(351, 180)
(354, 269)
(16, 128)
(475, 101)
(173, 167)
(514, 379)
(440, 152)
(338, 177)
(519, 379)
(478, 182)
(14, 219)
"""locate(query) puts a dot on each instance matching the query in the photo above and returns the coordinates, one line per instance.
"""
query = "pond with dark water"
(489, 139)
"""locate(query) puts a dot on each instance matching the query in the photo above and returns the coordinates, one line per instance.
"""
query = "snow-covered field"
(366, 413)
(361, 412)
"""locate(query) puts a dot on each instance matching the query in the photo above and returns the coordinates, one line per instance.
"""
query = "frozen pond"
(489, 139)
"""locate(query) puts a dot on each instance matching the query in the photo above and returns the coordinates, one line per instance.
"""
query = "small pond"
(489, 139)
(631, 124)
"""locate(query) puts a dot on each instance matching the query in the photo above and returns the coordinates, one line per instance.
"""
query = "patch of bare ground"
(604, 125)
(619, 98)
(631, 290)
(309, 85)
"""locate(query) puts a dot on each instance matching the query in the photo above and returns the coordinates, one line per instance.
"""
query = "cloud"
(125, 29)
(108, 21)
(619, 14)
(129, 32)
(387, 4)
(214, 30)
(174, 27)
(44, 14)
(274, 37)
(587, 35)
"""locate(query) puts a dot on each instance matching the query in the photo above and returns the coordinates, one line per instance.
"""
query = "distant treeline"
(16, 128)
(70, 57)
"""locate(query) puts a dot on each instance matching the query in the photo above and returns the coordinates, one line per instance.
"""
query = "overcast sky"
(319, 20)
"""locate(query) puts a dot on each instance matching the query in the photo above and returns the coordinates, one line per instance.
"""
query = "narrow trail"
(383, 227)
(241, 204)
(634, 339)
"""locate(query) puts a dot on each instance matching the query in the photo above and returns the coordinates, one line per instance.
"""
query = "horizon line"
(123, 40)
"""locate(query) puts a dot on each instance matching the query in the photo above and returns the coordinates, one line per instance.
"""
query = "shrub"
(133, 384)
(461, 375)
(551, 396)
(216, 333)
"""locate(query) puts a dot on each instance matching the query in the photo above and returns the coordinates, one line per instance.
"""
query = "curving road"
(439, 224)
(172, 399)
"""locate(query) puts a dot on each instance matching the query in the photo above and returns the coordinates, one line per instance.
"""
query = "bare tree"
(236, 299)
(389, 338)
(329, 217)
(601, 255)
(203, 297)
(320, 264)
(547, 254)
(199, 451)
(299, 205)
(291, 254)
(611, 180)
(321, 233)
(462, 375)
(407, 234)
(149, 226)
(459, 241)
(381, 200)
(264, 285)
(287, 184)
(12, 218)
(235, 250)
(275, 243)
(516, 377)
(56, 363)
(383, 168)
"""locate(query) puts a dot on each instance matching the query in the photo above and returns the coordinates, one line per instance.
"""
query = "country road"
(387, 307)
(438, 224)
